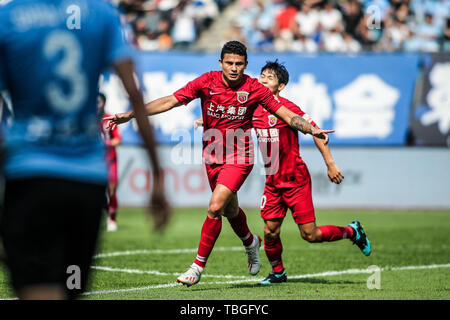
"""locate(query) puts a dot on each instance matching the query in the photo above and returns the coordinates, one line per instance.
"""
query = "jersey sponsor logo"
(242, 96)
(213, 93)
(272, 120)
(227, 112)
(267, 135)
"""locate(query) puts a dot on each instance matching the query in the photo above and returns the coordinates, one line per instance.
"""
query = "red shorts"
(276, 201)
(231, 176)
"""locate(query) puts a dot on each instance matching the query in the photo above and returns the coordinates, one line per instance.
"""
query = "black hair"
(103, 97)
(234, 47)
(279, 69)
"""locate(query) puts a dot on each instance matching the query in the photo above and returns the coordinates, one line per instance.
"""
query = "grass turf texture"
(399, 239)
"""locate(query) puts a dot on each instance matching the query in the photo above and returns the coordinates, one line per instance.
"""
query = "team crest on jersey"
(242, 96)
(272, 120)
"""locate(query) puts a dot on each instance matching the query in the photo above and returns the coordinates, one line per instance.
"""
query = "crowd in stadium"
(169, 24)
(296, 25)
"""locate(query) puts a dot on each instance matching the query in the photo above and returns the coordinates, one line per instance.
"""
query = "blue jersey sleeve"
(117, 48)
(2, 71)
(2, 56)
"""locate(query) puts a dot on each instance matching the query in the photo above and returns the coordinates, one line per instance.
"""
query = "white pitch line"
(158, 273)
(248, 279)
(160, 251)
(194, 250)
(102, 292)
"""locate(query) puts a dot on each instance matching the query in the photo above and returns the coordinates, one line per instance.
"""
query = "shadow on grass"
(258, 285)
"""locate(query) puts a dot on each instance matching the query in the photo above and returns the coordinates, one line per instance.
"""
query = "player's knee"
(215, 209)
(309, 236)
(271, 234)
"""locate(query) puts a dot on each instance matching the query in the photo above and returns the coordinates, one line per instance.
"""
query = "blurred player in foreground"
(228, 100)
(288, 182)
(55, 171)
(111, 138)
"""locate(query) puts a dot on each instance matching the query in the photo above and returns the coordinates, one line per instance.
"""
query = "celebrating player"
(50, 62)
(228, 100)
(288, 182)
(111, 138)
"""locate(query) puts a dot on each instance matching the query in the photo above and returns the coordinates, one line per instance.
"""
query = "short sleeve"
(117, 48)
(191, 90)
(296, 109)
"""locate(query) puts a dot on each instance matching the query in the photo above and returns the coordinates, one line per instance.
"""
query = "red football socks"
(240, 227)
(273, 249)
(334, 233)
(210, 232)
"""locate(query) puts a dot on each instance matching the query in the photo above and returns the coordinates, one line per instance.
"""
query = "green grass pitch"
(411, 248)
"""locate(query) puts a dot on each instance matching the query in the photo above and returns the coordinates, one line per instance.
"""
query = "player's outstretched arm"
(334, 173)
(156, 106)
(159, 207)
(297, 122)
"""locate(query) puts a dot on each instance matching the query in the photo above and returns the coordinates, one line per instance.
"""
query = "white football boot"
(192, 276)
(111, 225)
(252, 251)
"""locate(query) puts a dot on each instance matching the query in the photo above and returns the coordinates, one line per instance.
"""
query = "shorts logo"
(242, 96)
(272, 120)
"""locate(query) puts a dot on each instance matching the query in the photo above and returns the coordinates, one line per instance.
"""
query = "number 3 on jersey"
(68, 69)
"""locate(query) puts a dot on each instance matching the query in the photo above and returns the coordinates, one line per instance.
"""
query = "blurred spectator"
(284, 28)
(367, 33)
(205, 13)
(285, 19)
(333, 41)
(403, 13)
(184, 29)
(307, 20)
(395, 34)
(352, 13)
(247, 21)
(304, 44)
(446, 36)
(235, 32)
(330, 17)
(350, 44)
(441, 12)
(425, 36)
(439, 9)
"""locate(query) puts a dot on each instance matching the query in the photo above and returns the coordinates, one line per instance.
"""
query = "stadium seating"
(292, 25)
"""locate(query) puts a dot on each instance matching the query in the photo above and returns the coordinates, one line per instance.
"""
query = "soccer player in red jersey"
(288, 182)
(112, 138)
(228, 100)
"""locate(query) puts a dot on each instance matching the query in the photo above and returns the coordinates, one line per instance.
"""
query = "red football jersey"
(227, 115)
(279, 147)
(107, 136)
